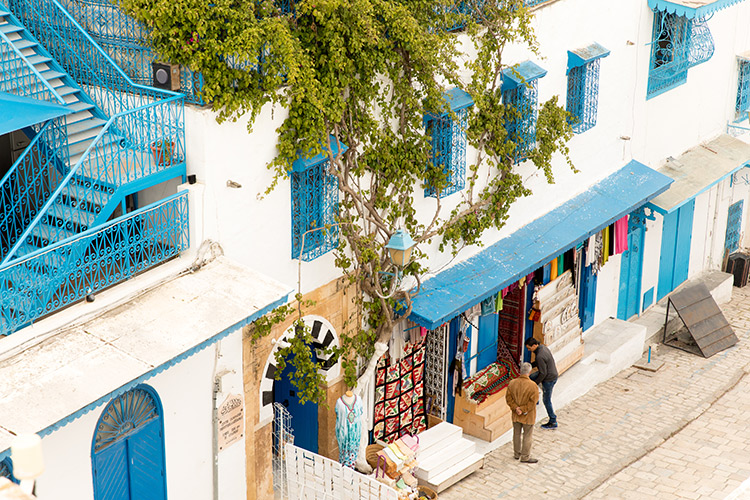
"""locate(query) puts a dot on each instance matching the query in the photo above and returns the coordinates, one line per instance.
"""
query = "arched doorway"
(127, 452)
(304, 417)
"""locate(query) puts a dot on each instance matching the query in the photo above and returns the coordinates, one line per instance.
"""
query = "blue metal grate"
(742, 104)
(669, 53)
(449, 151)
(6, 469)
(583, 95)
(520, 124)
(678, 44)
(54, 277)
(125, 416)
(315, 198)
(734, 227)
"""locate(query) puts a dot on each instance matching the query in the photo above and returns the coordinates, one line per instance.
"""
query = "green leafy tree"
(366, 73)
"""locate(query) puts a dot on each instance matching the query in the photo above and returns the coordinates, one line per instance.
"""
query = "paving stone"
(679, 434)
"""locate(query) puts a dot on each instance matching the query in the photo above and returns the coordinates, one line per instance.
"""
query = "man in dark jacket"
(546, 375)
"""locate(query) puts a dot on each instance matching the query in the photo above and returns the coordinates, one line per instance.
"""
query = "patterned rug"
(399, 395)
(491, 380)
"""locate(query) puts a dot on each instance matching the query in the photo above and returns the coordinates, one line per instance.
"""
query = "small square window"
(314, 206)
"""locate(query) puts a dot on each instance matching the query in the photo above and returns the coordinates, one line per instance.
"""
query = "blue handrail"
(48, 94)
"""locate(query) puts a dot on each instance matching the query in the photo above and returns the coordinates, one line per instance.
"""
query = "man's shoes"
(530, 461)
(517, 458)
(549, 425)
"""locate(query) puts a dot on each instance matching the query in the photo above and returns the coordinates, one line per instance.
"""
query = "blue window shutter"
(146, 453)
(742, 104)
(314, 205)
(111, 481)
(673, 51)
(583, 96)
(447, 134)
(521, 102)
(734, 227)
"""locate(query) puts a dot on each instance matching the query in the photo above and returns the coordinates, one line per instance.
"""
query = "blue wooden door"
(304, 420)
(677, 233)
(631, 268)
(587, 296)
(128, 449)
(734, 227)
(487, 347)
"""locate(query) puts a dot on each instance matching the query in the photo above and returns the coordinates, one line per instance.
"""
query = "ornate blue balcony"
(54, 277)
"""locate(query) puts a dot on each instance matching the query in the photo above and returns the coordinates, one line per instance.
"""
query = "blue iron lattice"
(315, 197)
(6, 469)
(123, 416)
(61, 274)
(583, 95)
(126, 42)
(520, 123)
(678, 44)
(742, 104)
(448, 137)
(734, 227)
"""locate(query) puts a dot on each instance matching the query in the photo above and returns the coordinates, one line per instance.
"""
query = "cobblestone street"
(681, 432)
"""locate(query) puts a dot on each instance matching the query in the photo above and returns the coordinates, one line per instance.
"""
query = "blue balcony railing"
(91, 261)
(143, 136)
(126, 41)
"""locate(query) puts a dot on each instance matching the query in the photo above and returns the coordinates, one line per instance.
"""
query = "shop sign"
(231, 421)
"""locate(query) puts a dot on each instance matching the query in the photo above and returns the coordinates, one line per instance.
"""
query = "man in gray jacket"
(546, 375)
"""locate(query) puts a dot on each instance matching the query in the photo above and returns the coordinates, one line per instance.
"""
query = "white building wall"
(185, 391)
(257, 233)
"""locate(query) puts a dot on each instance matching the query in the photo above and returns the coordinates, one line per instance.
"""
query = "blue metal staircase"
(55, 202)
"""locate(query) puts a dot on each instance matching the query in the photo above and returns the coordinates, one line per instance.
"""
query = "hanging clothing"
(591, 251)
(396, 344)
(488, 305)
(621, 235)
(605, 245)
(611, 248)
(597, 257)
(553, 272)
(560, 264)
(568, 259)
(348, 429)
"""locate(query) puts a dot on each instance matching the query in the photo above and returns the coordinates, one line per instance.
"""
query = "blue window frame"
(678, 43)
(742, 104)
(315, 198)
(448, 140)
(520, 96)
(583, 86)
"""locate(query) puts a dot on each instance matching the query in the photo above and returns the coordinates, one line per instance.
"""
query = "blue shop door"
(631, 269)
(487, 347)
(304, 416)
(587, 296)
(674, 259)
(734, 227)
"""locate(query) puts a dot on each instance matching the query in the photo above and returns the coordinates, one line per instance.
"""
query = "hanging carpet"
(399, 395)
(491, 380)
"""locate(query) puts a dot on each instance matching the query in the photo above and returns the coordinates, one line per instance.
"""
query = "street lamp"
(399, 248)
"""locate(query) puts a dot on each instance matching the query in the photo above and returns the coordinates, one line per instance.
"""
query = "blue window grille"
(583, 86)
(315, 198)
(743, 88)
(520, 97)
(448, 140)
(734, 227)
(678, 44)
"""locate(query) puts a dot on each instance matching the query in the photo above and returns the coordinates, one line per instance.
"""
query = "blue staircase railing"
(143, 136)
(126, 41)
(91, 261)
(19, 77)
(27, 186)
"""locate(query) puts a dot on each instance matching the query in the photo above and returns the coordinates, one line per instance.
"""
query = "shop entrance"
(304, 417)
(511, 324)
(631, 268)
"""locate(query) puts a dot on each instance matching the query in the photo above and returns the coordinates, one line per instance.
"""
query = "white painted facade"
(257, 232)
(186, 393)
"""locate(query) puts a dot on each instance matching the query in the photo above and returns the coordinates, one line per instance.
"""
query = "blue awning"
(19, 112)
(691, 8)
(301, 163)
(458, 99)
(579, 57)
(464, 285)
(521, 73)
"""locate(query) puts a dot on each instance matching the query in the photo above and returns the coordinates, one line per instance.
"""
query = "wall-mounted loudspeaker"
(166, 76)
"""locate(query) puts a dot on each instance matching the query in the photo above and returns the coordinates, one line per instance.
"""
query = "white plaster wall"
(185, 391)
(257, 232)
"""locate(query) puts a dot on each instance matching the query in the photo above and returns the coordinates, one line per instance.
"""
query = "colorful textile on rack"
(491, 380)
(399, 395)
(621, 235)
(511, 322)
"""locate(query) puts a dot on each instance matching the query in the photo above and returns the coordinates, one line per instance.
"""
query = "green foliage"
(366, 73)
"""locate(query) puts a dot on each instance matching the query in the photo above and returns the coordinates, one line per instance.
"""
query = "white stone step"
(456, 473)
(436, 438)
(434, 465)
